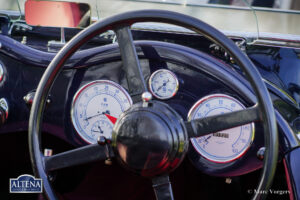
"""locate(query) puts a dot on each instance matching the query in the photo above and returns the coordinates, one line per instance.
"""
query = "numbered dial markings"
(223, 146)
(163, 84)
(96, 107)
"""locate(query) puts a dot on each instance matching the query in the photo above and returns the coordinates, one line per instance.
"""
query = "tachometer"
(96, 107)
(163, 84)
(227, 145)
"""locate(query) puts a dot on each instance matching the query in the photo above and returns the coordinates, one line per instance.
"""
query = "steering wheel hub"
(150, 140)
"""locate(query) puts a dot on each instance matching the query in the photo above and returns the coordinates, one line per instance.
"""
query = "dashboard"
(88, 97)
(91, 93)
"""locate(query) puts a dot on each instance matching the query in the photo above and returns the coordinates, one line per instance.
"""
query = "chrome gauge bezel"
(82, 89)
(201, 152)
(151, 81)
(1, 72)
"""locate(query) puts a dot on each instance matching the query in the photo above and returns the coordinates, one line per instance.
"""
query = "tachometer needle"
(111, 118)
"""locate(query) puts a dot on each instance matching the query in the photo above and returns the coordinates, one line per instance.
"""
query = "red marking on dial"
(111, 118)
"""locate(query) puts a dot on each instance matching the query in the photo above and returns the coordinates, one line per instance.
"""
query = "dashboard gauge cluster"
(227, 145)
(163, 84)
(96, 107)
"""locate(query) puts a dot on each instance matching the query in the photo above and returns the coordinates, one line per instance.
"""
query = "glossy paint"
(292, 162)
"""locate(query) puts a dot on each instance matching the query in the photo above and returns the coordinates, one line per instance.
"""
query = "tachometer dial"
(163, 84)
(96, 107)
(223, 146)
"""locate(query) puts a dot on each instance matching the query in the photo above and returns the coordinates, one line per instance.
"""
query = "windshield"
(248, 16)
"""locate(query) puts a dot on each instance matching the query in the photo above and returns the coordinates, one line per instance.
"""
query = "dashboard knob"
(29, 98)
(3, 111)
(146, 96)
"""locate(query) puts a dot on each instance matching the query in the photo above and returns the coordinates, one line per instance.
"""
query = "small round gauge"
(223, 146)
(163, 84)
(96, 107)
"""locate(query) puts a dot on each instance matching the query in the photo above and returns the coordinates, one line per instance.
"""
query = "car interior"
(150, 101)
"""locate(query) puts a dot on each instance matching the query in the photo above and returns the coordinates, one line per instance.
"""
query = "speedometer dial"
(96, 107)
(163, 84)
(226, 145)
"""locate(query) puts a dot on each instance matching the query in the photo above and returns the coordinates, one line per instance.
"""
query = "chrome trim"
(280, 92)
(277, 43)
(265, 38)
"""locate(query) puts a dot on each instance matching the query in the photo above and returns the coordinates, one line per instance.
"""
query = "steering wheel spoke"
(212, 124)
(131, 64)
(82, 155)
(162, 188)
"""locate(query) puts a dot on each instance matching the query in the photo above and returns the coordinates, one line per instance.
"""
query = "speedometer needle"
(103, 113)
(111, 118)
(93, 116)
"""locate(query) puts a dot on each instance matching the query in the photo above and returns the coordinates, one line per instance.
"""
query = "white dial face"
(163, 84)
(96, 107)
(223, 146)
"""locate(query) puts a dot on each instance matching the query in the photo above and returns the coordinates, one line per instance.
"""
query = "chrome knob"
(3, 111)
(146, 96)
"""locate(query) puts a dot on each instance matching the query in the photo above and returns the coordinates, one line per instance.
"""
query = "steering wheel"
(150, 138)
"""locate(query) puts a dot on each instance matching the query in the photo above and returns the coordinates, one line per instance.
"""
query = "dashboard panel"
(197, 74)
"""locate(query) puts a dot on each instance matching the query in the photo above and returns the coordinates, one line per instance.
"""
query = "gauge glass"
(163, 84)
(96, 107)
(223, 146)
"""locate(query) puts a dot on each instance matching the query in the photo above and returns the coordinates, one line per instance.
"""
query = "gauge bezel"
(194, 109)
(150, 84)
(82, 89)
(1, 72)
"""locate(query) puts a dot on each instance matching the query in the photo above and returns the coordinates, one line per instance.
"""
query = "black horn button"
(150, 139)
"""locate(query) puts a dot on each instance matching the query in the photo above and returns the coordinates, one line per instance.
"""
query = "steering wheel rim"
(264, 107)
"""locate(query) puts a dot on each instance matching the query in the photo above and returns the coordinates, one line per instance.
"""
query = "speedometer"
(96, 107)
(227, 145)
